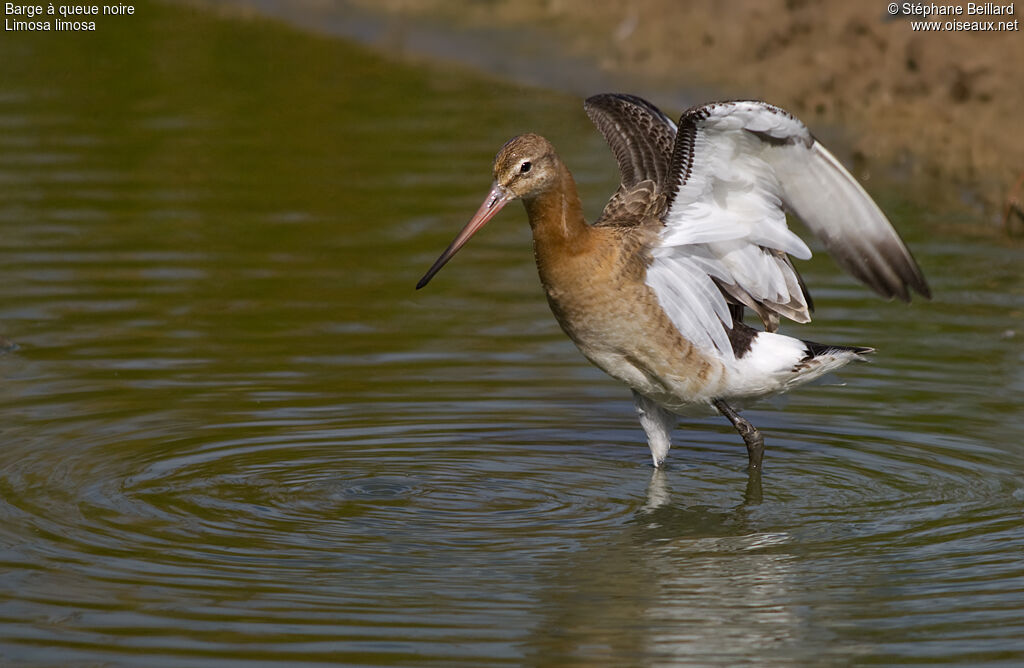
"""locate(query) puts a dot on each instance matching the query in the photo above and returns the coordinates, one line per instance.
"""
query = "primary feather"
(734, 169)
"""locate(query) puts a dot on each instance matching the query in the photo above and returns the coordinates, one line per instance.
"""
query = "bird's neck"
(556, 218)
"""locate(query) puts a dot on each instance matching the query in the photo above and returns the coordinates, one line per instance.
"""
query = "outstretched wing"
(735, 165)
(642, 139)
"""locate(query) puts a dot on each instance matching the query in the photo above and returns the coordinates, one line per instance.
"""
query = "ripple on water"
(299, 520)
(310, 524)
(865, 544)
(309, 491)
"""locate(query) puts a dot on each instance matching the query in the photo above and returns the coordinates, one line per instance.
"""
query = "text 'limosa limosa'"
(653, 293)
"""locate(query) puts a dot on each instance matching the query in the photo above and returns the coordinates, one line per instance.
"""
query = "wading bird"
(653, 293)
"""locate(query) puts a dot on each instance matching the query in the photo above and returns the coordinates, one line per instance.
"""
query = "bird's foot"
(755, 444)
(751, 436)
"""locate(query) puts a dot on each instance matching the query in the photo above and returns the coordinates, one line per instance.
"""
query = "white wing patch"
(733, 168)
(692, 301)
(726, 211)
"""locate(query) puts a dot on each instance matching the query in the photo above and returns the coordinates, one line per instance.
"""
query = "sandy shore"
(940, 112)
(944, 110)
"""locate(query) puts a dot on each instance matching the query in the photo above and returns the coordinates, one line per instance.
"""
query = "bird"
(655, 291)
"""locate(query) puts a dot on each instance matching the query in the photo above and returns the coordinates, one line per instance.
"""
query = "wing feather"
(853, 229)
(690, 298)
(641, 137)
(735, 168)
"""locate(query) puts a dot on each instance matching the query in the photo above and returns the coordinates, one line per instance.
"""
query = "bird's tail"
(776, 363)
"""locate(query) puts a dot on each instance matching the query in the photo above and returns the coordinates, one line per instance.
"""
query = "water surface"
(234, 435)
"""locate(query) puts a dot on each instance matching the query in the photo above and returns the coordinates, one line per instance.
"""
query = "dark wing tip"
(917, 280)
(612, 100)
(918, 284)
(618, 106)
(908, 274)
(640, 136)
(880, 279)
(602, 102)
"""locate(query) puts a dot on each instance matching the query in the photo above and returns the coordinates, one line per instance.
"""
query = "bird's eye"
(525, 167)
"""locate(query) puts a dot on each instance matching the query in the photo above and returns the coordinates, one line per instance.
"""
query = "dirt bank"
(943, 108)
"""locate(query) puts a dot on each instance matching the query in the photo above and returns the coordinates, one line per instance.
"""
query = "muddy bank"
(940, 109)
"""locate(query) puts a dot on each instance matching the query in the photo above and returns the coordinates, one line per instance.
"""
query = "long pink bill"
(497, 198)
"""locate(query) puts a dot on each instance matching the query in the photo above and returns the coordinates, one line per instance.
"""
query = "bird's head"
(525, 166)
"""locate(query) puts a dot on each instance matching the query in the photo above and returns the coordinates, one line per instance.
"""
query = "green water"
(234, 435)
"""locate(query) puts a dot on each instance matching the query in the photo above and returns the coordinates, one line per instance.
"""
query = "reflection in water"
(679, 583)
(725, 589)
(683, 582)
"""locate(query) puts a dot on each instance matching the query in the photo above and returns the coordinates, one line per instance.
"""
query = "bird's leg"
(658, 424)
(751, 436)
